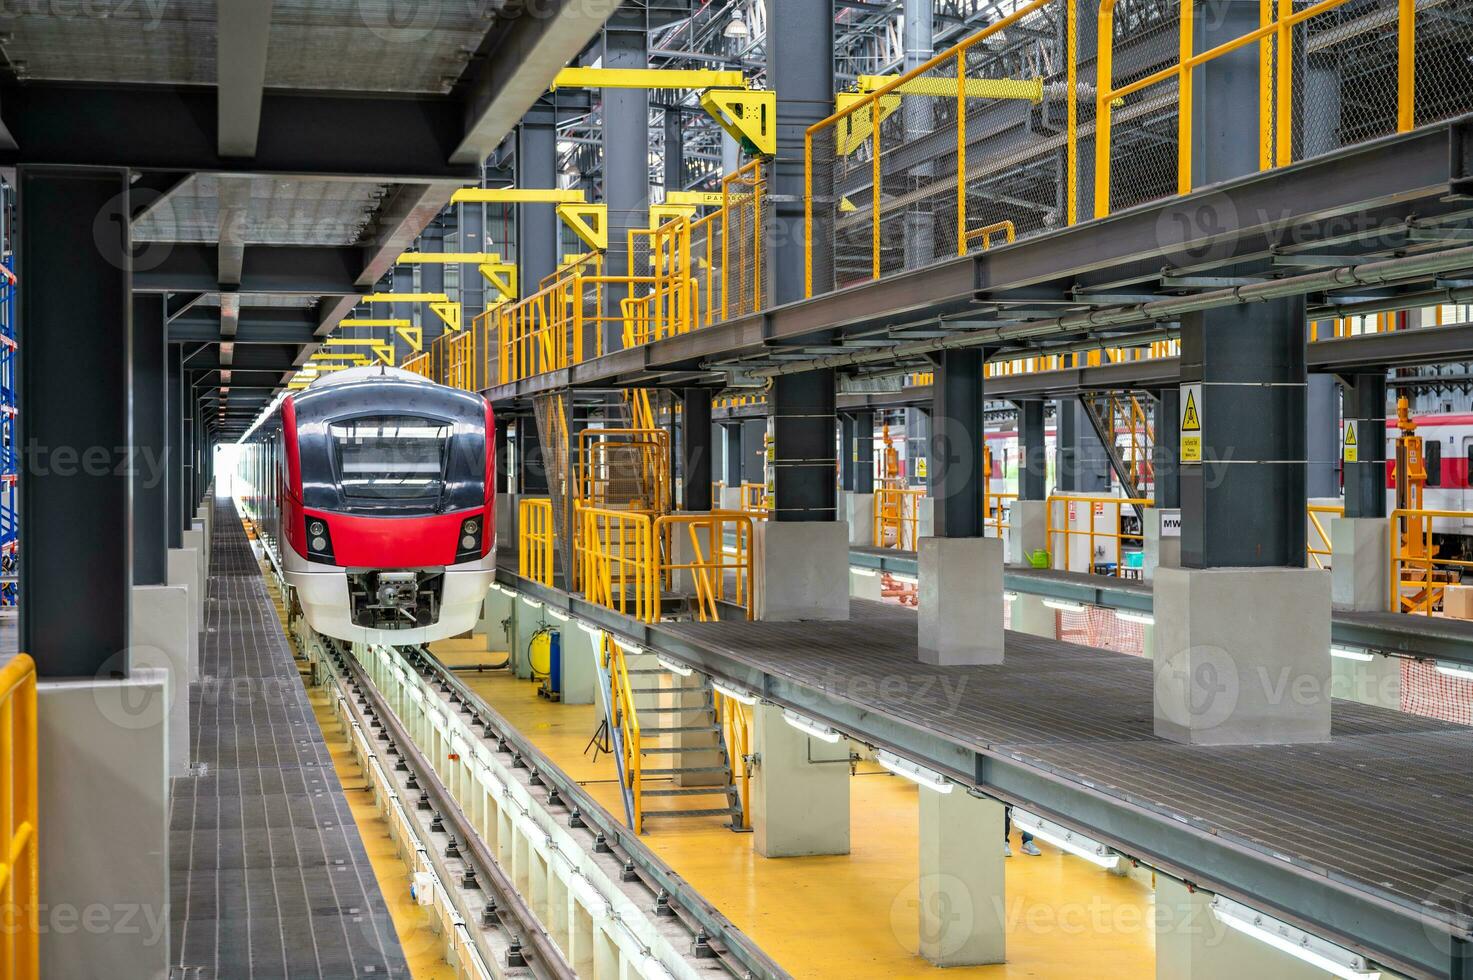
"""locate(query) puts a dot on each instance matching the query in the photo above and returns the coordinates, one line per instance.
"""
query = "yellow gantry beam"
(516, 195)
(711, 199)
(941, 87)
(439, 303)
(501, 276)
(648, 78)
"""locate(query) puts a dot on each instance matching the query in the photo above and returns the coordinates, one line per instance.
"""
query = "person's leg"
(1007, 830)
(1029, 847)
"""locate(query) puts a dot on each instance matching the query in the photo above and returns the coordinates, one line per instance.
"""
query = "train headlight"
(319, 540)
(471, 527)
(468, 542)
(318, 528)
(319, 544)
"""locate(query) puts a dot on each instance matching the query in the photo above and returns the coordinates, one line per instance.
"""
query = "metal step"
(726, 811)
(671, 730)
(692, 791)
(677, 749)
(670, 711)
(681, 769)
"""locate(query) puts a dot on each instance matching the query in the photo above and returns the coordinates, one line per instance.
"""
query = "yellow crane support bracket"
(589, 222)
(855, 128)
(661, 213)
(502, 277)
(404, 329)
(383, 350)
(649, 78)
(749, 117)
(516, 195)
(449, 313)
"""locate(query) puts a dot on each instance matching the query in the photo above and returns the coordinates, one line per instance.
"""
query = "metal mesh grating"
(268, 876)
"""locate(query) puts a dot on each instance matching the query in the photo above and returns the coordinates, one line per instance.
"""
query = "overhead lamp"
(532, 603)
(733, 693)
(917, 774)
(810, 727)
(590, 629)
(907, 579)
(736, 28)
(630, 648)
(1064, 605)
(1319, 953)
(558, 615)
(1066, 840)
(1461, 671)
(1135, 616)
(675, 668)
(1350, 653)
(865, 572)
(1010, 596)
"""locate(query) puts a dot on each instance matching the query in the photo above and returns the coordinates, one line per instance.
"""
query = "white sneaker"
(1031, 848)
(1007, 849)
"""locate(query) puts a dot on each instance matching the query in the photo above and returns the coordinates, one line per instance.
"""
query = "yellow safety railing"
(420, 364)
(1103, 528)
(1007, 229)
(535, 539)
(19, 825)
(1319, 546)
(1419, 578)
(695, 545)
(743, 269)
(897, 517)
(861, 231)
(1275, 37)
(994, 512)
(620, 562)
(624, 716)
(628, 468)
(754, 500)
(735, 721)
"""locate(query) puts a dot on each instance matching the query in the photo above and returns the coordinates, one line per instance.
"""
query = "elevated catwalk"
(1382, 808)
(268, 876)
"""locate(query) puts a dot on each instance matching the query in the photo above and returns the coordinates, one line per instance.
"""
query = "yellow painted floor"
(851, 916)
(422, 946)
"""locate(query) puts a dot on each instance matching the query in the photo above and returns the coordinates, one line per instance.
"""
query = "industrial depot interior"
(736, 488)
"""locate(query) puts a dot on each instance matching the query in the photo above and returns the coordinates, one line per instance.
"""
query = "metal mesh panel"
(552, 433)
(1143, 132)
(744, 230)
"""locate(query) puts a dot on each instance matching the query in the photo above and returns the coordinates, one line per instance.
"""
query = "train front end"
(394, 538)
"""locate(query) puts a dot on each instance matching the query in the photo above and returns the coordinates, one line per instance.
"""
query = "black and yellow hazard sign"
(1352, 441)
(1191, 423)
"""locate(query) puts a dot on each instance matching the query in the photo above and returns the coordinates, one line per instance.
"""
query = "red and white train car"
(374, 492)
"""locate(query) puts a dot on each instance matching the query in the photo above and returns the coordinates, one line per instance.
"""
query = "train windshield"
(391, 457)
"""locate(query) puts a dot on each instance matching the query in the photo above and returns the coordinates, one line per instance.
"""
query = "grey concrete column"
(75, 500)
(1365, 476)
(800, 68)
(958, 425)
(1322, 436)
(803, 432)
(174, 433)
(1033, 461)
(695, 447)
(537, 224)
(864, 447)
(846, 453)
(1084, 465)
(149, 465)
(800, 789)
(754, 431)
(1166, 448)
(626, 148)
(732, 432)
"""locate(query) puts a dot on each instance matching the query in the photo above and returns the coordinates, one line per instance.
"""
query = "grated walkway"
(268, 876)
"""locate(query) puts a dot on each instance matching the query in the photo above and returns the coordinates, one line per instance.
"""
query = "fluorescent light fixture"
(907, 579)
(863, 572)
(630, 648)
(1135, 616)
(1064, 605)
(1010, 596)
(810, 727)
(733, 693)
(590, 629)
(561, 617)
(917, 774)
(1350, 653)
(1066, 840)
(509, 593)
(533, 603)
(673, 667)
(1460, 671)
(1319, 953)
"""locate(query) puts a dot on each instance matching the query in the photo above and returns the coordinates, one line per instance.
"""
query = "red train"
(374, 492)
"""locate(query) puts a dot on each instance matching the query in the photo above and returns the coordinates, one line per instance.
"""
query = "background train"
(374, 493)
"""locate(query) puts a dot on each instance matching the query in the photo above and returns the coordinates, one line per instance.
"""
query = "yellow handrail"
(1414, 563)
(735, 722)
(710, 562)
(1097, 507)
(625, 717)
(897, 517)
(19, 871)
(619, 561)
(1321, 549)
(535, 539)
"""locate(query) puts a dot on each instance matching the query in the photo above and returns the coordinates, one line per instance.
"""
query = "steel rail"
(543, 955)
(1380, 273)
(658, 876)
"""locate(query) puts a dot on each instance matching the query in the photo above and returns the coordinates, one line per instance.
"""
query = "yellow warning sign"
(1352, 443)
(921, 467)
(1191, 423)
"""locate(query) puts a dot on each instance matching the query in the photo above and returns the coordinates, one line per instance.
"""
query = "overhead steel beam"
(180, 303)
(233, 216)
(530, 50)
(240, 73)
(303, 270)
(149, 190)
(174, 128)
(246, 332)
